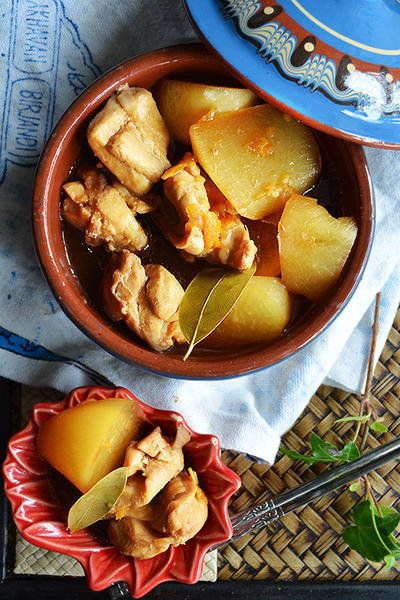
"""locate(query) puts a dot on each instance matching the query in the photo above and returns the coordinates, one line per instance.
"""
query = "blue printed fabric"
(50, 51)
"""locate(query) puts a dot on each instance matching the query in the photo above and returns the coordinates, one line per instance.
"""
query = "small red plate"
(41, 520)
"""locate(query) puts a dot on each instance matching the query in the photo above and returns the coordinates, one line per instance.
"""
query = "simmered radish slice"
(256, 156)
(313, 246)
(259, 316)
(183, 103)
(88, 441)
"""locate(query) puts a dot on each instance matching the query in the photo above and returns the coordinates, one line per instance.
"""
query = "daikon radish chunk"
(183, 103)
(88, 441)
(256, 156)
(263, 310)
(313, 246)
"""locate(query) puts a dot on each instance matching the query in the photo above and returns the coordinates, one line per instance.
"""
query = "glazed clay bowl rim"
(77, 308)
(41, 520)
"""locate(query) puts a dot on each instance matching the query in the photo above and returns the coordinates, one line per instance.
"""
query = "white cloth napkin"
(50, 52)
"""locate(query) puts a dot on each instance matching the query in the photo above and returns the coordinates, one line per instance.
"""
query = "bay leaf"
(98, 501)
(208, 299)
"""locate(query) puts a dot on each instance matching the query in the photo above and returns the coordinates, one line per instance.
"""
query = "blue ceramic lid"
(334, 64)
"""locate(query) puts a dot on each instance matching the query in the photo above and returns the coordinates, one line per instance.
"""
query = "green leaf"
(371, 534)
(208, 299)
(98, 501)
(362, 514)
(388, 521)
(354, 486)
(378, 427)
(357, 419)
(389, 561)
(324, 452)
(365, 542)
(296, 456)
(350, 452)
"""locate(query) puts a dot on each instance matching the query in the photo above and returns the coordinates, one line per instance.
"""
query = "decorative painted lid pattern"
(336, 65)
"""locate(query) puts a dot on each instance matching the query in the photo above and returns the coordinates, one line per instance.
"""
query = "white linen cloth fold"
(51, 51)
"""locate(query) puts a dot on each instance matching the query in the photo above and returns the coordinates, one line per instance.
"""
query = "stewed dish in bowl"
(189, 227)
(129, 491)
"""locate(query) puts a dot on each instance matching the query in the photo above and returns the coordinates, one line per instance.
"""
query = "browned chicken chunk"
(173, 517)
(184, 188)
(135, 537)
(141, 205)
(130, 138)
(146, 298)
(236, 248)
(151, 463)
(187, 508)
(198, 227)
(102, 211)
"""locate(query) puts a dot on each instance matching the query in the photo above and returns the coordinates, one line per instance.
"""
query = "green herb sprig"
(373, 524)
(323, 452)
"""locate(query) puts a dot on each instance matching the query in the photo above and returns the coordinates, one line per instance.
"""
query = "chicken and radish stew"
(133, 476)
(189, 192)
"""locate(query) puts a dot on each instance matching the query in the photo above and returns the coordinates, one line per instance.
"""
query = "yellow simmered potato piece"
(88, 441)
(259, 316)
(183, 103)
(256, 156)
(313, 246)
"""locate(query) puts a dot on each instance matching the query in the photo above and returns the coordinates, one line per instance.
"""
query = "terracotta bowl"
(345, 164)
(42, 521)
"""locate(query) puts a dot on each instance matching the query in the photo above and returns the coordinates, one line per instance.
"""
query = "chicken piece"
(174, 517)
(151, 463)
(143, 205)
(211, 232)
(136, 538)
(184, 188)
(146, 298)
(130, 138)
(76, 208)
(236, 248)
(99, 209)
(186, 510)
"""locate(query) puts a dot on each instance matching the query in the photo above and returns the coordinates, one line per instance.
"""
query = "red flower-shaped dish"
(41, 520)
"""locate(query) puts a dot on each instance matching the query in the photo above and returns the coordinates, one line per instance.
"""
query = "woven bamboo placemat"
(306, 545)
